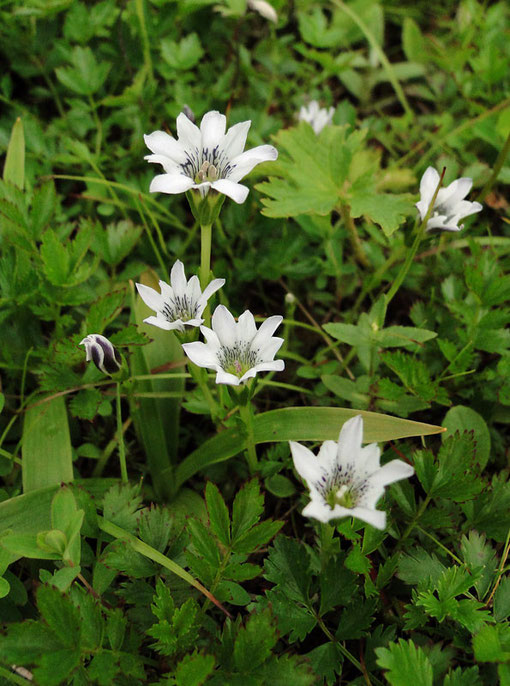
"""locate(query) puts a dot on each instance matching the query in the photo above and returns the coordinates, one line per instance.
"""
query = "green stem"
(390, 72)
(120, 434)
(149, 236)
(140, 11)
(99, 127)
(353, 236)
(199, 376)
(414, 520)
(420, 231)
(246, 414)
(495, 172)
(205, 254)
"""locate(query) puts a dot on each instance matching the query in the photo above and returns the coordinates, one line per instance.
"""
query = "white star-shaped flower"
(449, 206)
(179, 304)
(205, 157)
(236, 350)
(346, 480)
(318, 117)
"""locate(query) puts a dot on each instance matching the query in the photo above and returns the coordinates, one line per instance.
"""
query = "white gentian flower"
(180, 303)
(264, 9)
(205, 157)
(345, 480)
(318, 117)
(449, 206)
(236, 350)
(102, 353)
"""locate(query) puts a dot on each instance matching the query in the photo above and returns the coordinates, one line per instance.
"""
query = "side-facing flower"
(205, 157)
(346, 480)
(318, 117)
(236, 350)
(449, 206)
(180, 303)
(103, 354)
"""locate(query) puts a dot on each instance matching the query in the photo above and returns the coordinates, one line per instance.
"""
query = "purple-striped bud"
(102, 353)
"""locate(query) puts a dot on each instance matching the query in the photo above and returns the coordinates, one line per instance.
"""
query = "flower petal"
(269, 350)
(224, 325)
(455, 192)
(226, 378)
(163, 323)
(327, 456)
(236, 191)
(305, 463)
(211, 288)
(369, 458)
(189, 134)
(246, 327)
(162, 144)
(349, 441)
(376, 518)
(274, 366)
(212, 128)
(150, 297)
(201, 354)
(235, 139)
(178, 279)
(391, 472)
(171, 183)
(428, 185)
(266, 330)
(244, 163)
(169, 165)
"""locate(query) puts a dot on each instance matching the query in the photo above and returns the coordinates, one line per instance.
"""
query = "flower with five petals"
(449, 205)
(205, 158)
(179, 304)
(237, 351)
(346, 480)
(318, 117)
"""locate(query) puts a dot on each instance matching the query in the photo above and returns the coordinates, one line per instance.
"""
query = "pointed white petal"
(171, 183)
(193, 291)
(369, 458)
(235, 139)
(318, 509)
(266, 330)
(169, 165)
(178, 279)
(212, 339)
(211, 288)
(376, 518)
(196, 321)
(246, 328)
(428, 185)
(327, 456)
(200, 354)
(269, 350)
(349, 441)
(226, 378)
(455, 192)
(391, 472)
(150, 297)
(236, 191)
(305, 463)
(161, 323)
(212, 128)
(244, 163)
(160, 143)
(224, 325)
(275, 366)
(189, 134)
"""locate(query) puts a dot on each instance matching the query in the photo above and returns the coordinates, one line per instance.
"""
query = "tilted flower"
(236, 350)
(318, 117)
(449, 206)
(346, 480)
(205, 157)
(179, 304)
(102, 353)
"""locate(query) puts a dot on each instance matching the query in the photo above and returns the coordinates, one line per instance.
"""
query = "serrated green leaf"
(219, 520)
(194, 669)
(258, 535)
(406, 664)
(55, 259)
(121, 506)
(116, 625)
(43, 207)
(60, 615)
(247, 509)
(14, 166)
(388, 210)
(287, 566)
(502, 600)
(492, 643)
(155, 527)
(461, 418)
(254, 642)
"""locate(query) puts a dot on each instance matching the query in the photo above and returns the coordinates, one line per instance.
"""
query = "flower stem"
(414, 248)
(205, 254)
(353, 236)
(120, 434)
(199, 376)
(246, 414)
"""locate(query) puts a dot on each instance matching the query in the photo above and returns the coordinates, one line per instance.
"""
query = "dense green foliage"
(201, 569)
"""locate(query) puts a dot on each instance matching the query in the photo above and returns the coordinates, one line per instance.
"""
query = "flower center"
(345, 496)
(180, 308)
(238, 359)
(207, 172)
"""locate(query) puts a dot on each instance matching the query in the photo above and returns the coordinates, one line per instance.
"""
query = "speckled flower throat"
(237, 359)
(342, 487)
(182, 308)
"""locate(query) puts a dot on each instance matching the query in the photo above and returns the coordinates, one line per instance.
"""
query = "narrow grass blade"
(46, 445)
(14, 167)
(299, 424)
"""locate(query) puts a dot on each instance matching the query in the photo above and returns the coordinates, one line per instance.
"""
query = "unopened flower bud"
(102, 353)
(189, 113)
(290, 298)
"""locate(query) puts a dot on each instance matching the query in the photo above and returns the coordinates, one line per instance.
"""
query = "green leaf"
(43, 207)
(55, 258)
(299, 424)
(246, 510)
(46, 445)
(60, 615)
(492, 643)
(258, 535)
(280, 486)
(356, 561)
(26, 641)
(116, 625)
(287, 566)
(420, 568)
(254, 642)
(121, 506)
(155, 527)
(120, 556)
(502, 600)
(14, 166)
(194, 669)
(461, 418)
(183, 55)
(413, 42)
(406, 664)
(54, 667)
(457, 476)
(105, 310)
(387, 210)
(326, 661)
(480, 558)
(219, 520)
(463, 677)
